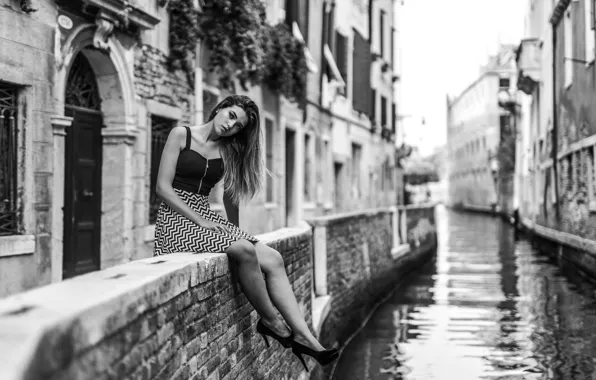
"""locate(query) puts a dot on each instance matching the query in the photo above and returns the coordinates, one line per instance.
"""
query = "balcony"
(528, 65)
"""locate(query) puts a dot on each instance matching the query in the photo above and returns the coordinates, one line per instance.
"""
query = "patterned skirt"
(176, 233)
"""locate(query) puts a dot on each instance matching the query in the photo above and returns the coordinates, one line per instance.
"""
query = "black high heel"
(266, 331)
(323, 357)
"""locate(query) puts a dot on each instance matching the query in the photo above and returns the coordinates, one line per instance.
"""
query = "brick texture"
(183, 316)
(361, 270)
(154, 81)
(149, 321)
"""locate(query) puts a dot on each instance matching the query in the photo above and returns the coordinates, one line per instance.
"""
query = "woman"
(194, 159)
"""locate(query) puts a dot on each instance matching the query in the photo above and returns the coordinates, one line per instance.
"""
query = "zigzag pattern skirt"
(176, 233)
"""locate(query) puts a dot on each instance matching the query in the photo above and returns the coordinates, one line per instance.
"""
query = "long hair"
(242, 153)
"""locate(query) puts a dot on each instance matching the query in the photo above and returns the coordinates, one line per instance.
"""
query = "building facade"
(474, 124)
(87, 100)
(556, 66)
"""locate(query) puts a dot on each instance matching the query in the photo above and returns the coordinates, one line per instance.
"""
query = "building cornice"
(123, 8)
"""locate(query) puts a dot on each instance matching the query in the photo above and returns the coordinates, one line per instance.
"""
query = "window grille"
(160, 128)
(9, 205)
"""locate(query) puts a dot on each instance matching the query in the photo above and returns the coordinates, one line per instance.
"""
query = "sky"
(444, 43)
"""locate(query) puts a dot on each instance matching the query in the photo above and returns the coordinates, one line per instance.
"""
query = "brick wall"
(172, 317)
(364, 264)
(183, 316)
(154, 81)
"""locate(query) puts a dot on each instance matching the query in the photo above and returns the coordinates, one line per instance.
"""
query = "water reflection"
(489, 307)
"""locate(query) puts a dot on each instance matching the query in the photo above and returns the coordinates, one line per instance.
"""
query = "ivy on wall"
(184, 36)
(285, 69)
(241, 45)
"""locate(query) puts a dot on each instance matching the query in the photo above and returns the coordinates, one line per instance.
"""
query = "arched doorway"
(83, 161)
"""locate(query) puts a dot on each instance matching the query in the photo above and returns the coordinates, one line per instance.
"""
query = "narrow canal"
(489, 307)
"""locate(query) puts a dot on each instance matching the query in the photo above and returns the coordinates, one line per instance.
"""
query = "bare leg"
(253, 284)
(282, 295)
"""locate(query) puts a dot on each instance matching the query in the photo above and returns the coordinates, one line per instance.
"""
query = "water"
(490, 307)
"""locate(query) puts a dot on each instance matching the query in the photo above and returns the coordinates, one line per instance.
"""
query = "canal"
(489, 307)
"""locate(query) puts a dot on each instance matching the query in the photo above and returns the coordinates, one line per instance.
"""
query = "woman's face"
(229, 121)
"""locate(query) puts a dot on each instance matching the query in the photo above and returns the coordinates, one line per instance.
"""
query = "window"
(269, 158)
(361, 61)
(373, 106)
(590, 38)
(210, 100)
(384, 111)
(297, 11)
(326, 178)
(393, 118)
(9, 207)
(382, 34)
(341, 58)
(591, 175)
(504, 83)
(392, 58)
(356, 164)
(160, 128)
(568, 30)
(577, 168)
(569, 170)
(308, 170)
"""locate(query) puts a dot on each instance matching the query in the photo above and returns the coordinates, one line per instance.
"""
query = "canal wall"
(359, 259)
(569, 250)
(183, 316)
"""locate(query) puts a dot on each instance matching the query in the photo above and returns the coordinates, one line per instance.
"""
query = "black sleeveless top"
(194, 172)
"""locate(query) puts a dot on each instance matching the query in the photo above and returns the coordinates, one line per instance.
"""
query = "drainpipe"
(555, 126)
(198, 86)
(198, 75)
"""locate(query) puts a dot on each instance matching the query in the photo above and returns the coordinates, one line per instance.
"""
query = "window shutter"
(302, 21)
(361, 75)
(592, 14)
(330, 28)
(341, 56)
(373, 106)
(393, 117)
(383, 112)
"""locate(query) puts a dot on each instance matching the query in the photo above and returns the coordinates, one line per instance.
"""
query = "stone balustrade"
(183, 316)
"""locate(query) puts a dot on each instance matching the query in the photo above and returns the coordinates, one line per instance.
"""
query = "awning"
(310, 62)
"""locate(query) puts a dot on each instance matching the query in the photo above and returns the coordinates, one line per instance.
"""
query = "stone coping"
(329, 219)
(565, 238)
(78, 313)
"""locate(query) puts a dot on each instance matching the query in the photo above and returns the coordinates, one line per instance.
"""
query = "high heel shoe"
(323, 357)
(266, 331)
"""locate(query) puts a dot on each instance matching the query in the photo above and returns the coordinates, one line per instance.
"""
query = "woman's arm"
(165, 177)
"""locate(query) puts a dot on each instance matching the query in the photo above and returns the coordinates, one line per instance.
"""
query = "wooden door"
(83, 160)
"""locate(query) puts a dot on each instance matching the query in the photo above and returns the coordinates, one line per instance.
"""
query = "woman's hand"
(217, 227)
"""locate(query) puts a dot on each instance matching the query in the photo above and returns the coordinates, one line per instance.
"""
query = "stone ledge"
(417, 206)
(83, 311)
(565, 238)
(325, 220)
(14, 245)
(95, 305)
(400, 250)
